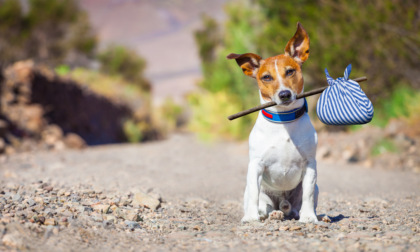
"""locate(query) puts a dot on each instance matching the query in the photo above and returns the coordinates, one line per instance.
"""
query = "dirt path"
(201, 189)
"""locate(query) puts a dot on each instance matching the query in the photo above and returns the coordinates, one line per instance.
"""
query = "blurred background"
(79, 73)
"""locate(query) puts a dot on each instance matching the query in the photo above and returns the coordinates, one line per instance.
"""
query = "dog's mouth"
(286, 103)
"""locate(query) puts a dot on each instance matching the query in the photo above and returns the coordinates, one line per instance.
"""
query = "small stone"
(96, 217)
(50, 222)
(101, 208)
(48, 188)
(376, 228)
(197, 228)
(326, 219)
(31, 202)
(13, 240)
(39, 200)
(111, 218)
(41, 219)
(17, 197)
(295, 228)
(145, 200)
(74, 141)
(132, 224)
(284, 228)
(132, 216)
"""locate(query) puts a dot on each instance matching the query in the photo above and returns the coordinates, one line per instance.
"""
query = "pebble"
(17, 197)
(132, 224)
(326, 219)
(101, 208)
(143, 199)
(295, 228)
(188, 230)
(50, 222)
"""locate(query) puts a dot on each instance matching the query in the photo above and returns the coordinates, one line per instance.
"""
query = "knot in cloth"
(344, 102)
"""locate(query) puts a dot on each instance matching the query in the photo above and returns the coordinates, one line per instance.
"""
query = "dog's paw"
(308, 217)
(276, 215)
(250, 218)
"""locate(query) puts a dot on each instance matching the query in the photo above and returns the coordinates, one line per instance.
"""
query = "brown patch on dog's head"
(282, 71)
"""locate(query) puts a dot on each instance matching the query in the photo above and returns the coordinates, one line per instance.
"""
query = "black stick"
(272, 103)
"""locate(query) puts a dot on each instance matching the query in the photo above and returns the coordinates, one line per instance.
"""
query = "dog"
(282, 173)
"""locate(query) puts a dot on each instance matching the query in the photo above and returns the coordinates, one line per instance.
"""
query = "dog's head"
(280, 77)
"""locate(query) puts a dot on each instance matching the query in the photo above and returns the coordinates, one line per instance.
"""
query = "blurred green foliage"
(169, 116)
(384, 146)
(119, 60)
(132, 131)
(48, 31)
(381, 39)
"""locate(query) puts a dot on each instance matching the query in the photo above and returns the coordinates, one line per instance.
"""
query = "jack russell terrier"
(281, 177)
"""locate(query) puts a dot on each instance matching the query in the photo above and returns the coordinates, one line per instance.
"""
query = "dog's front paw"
(250, 218)
(276, 215)
(308, 217)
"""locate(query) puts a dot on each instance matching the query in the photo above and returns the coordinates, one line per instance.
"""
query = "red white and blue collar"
(287, 116)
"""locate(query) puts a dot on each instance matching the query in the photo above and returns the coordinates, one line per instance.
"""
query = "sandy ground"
(200, 188)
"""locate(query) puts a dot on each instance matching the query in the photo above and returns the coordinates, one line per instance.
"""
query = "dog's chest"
(282, 153)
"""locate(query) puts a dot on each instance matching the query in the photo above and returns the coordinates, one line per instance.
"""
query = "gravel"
(60, 214)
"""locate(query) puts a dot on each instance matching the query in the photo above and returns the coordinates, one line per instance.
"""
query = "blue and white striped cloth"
(344, 102)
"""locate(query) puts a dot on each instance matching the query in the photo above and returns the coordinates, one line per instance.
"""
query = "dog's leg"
(265, 205)
(252, 191)
(307, 211)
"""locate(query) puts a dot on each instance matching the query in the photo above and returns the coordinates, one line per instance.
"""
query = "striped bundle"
(344, 102)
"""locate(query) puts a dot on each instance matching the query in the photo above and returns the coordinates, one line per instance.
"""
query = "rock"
(326, 219)
(350, 154)
(9, 150)
(50, 222)
(96, 217)
(39, 200)
(13, 240)
(323, 152)
(284, 228)
(30, 202)
(41, 219)
(17, 197)
(101, 208)
(132, 224)
(111, 218)
(52, 134)
(132, 216)
(295, 228)
(74, 141)
(48, 188)
(145, 200)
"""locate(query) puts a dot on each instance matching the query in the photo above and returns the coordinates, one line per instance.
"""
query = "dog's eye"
(290, 72)
(267, 77)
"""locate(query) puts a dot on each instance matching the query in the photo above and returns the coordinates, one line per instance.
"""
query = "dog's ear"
(298, 46)
(249, 62)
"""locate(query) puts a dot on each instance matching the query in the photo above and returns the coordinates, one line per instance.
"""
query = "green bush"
(119, 60)
(403, 103)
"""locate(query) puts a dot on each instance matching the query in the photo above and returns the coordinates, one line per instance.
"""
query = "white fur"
(282, 167)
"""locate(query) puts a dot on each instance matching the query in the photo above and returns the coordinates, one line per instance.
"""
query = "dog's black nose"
(285, 95)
